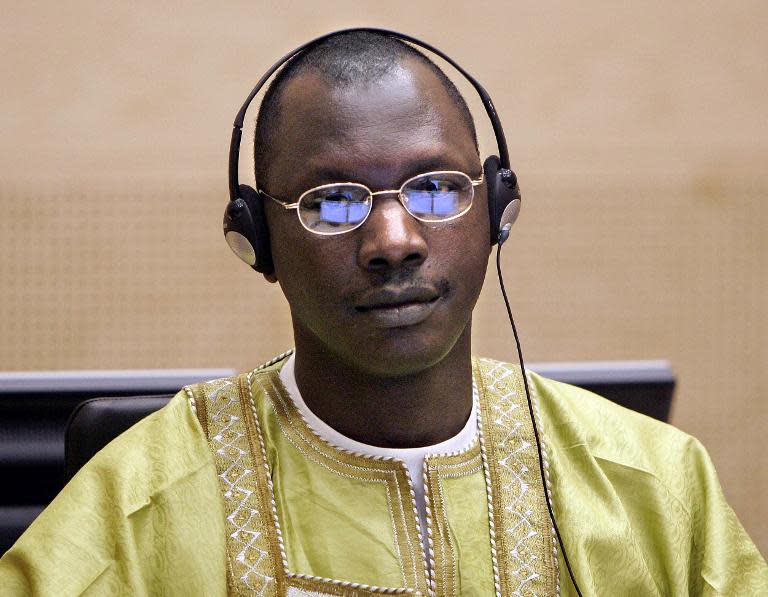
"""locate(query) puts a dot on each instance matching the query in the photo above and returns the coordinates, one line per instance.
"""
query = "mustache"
(403, 283)
(405, 276)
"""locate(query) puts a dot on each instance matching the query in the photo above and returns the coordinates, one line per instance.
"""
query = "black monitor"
(643, 386)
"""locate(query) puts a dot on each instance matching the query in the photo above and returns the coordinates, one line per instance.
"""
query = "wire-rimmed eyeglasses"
(336, 208)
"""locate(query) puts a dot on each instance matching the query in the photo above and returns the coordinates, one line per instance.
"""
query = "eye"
(433, 184)
(334, 208)
(338, 196)
(438, 196)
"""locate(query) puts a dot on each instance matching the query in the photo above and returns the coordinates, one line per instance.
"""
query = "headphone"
(245, 224)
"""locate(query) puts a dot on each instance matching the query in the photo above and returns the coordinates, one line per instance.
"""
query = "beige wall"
(639, 132)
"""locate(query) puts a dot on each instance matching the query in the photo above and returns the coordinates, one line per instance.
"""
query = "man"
(379, 457)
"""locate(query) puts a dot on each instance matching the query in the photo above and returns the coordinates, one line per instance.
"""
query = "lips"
(398, 307)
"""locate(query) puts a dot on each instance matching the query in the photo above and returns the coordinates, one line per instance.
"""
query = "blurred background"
(639, 132)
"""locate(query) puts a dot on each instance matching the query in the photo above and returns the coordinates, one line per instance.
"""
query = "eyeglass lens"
(332, 209)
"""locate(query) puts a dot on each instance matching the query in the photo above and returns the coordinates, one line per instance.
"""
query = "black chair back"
(96, 422)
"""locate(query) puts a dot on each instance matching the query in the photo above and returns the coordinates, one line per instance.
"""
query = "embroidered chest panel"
(271, 544)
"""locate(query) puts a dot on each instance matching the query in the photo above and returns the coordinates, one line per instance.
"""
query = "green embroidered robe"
(228, 491)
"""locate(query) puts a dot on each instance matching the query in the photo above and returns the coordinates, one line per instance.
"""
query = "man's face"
(395, 295)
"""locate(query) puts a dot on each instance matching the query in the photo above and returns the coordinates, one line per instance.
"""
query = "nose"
(392, 238)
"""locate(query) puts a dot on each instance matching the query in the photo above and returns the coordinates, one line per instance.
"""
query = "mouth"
(391, 308)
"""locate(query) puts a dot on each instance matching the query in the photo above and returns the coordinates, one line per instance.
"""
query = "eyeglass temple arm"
(280, 203)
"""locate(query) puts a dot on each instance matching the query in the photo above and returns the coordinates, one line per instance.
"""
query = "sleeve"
(728, 561)
(144, 516)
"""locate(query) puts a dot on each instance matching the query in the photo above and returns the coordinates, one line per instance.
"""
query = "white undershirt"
(412, 457)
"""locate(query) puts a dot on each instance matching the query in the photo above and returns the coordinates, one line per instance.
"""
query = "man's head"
(354, 60)
(395, 295)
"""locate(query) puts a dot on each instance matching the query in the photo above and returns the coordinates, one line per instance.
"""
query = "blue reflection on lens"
(420, 202)
(435, 203)
(446, 204)
(357, 212)
(333, 211)
(342, 212)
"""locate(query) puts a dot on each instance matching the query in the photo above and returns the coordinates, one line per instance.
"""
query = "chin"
(400, 355)
(386, 352)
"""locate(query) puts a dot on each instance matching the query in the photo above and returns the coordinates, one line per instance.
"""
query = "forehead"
(371, 133)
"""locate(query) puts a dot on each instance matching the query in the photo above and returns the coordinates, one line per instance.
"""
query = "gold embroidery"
(444, 559)
(521, 530)
(387, 471)
(202, 414)
(251, 545)
(301, 584)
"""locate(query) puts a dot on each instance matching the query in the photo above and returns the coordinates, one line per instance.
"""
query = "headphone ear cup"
(246, 231)
(503, 197)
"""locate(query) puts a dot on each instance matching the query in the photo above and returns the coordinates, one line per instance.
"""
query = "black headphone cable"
(503, 237)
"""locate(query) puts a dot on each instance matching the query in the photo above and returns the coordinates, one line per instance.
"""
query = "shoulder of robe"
(580, 424)
(641, 456)
(127, 516)
(610, 431)
(162, 449)
(632, 451)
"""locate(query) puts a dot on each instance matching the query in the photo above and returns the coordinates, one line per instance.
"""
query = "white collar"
(459, 442)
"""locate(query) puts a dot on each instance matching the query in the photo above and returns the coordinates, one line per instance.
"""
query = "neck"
(408, 411)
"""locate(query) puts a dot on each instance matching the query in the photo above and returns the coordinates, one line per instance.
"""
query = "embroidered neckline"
(521, 542)
(390, 471)
(467, 435)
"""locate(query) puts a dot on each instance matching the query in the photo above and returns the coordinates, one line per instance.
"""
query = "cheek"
(291, 257)
(308, 269)
(467, 244)
(473, 268)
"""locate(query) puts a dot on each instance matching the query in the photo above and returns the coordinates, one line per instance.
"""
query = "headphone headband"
(237, 132)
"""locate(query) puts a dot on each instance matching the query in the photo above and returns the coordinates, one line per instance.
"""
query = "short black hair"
(351, 58)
